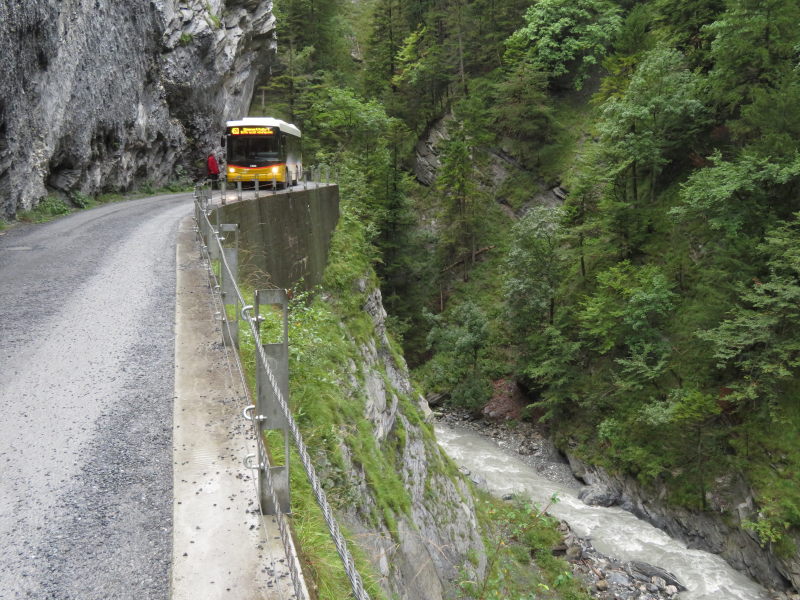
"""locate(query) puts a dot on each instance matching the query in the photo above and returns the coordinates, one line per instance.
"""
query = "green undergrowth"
(325, 332)
(53, 206)
(772, 463)
(310, 402)
(327, 328)
(47, 210)
(556, 159)
(520, 538)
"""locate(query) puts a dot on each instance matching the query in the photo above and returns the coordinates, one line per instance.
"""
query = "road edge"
(222, 546)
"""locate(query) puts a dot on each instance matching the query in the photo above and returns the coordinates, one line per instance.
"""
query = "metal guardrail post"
(230, 334)
(239, 189)
(205, 228)
(213, 246)
(268, 407)
(255, 185)
(198, 198)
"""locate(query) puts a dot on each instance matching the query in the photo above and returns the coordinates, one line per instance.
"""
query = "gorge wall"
(430, 549)
(99, 96)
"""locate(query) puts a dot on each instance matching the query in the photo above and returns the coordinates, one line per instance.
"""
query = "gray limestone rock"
(430, 546)
(102, 96)
(427, 151)
(598, 495)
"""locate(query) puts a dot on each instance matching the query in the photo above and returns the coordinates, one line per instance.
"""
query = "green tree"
(288, 86)
(456, 368)
(682, 24)
(760, 338)
(626, 317)
(632, 41)
(344, 121)
(641, 132)
(755, 43)
(562, 37)
(317, 24)
(689, 425)
(421, 80)
(461, 200)
(388, 32)
(534, 268)
(739, 197)
(660, 112)
(522, 111)
(770, 124)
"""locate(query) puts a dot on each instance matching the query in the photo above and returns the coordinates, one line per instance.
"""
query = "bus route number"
(251, 131)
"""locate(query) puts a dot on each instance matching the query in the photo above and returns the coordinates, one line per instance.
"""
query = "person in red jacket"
(213, 167)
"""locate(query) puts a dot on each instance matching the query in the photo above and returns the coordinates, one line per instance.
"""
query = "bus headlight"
(231, 170)
(275, 170)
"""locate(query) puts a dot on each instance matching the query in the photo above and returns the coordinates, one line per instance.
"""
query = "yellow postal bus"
(263, 149)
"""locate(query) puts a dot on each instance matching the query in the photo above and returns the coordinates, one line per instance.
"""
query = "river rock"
(653, 574)
(598, 495)
(618, 578)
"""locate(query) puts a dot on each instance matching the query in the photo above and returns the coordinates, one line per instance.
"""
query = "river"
(612, 531)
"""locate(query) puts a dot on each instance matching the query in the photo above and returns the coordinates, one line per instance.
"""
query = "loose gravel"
(87, 311)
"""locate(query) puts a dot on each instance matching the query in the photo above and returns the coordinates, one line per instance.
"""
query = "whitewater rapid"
(612, 531)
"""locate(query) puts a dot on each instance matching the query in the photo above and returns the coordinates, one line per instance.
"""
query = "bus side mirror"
(222, 141)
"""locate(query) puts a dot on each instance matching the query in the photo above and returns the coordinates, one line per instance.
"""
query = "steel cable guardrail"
(204, 225)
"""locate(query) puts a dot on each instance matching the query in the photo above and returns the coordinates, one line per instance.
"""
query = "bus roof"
(265, 122)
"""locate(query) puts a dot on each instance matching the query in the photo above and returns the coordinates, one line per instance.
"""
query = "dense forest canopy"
(653, 317)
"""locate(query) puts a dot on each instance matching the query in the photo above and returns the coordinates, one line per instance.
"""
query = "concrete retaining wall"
(284, 238)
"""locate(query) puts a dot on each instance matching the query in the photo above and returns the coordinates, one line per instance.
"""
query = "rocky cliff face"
(428, 149)
(98, 96)
(718, 530)
(421, 559)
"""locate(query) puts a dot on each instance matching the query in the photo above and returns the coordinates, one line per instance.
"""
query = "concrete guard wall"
(284, 238)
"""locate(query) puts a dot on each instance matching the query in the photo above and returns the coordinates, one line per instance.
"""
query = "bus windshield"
(254, 150)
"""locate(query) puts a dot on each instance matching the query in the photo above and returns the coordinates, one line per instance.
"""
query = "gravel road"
(87, 306)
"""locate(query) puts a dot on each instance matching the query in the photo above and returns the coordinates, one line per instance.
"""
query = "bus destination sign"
(251, 131)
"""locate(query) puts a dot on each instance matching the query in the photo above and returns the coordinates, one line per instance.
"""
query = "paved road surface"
(87, 307)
